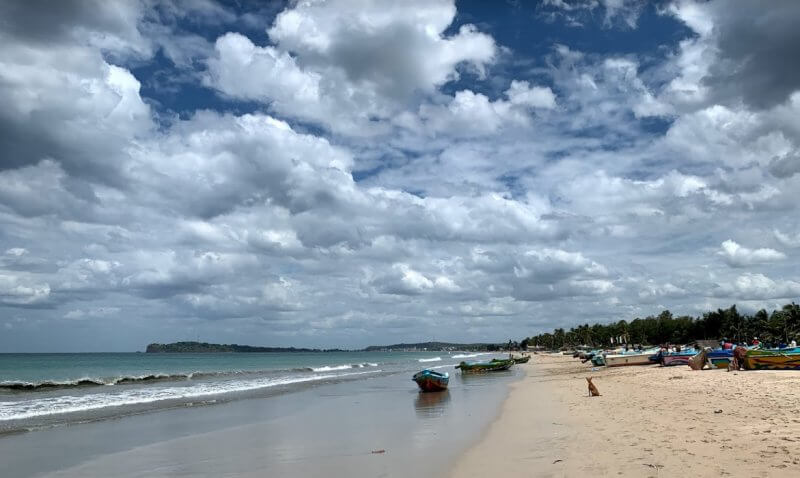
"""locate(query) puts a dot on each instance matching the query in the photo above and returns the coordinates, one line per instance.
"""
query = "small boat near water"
(495, 365)
(431, 381)
(523, 359)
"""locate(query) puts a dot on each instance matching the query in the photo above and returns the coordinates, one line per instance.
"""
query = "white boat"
(617, 360)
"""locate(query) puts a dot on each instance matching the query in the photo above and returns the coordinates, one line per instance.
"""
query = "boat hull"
(482, 367)
(761, 360)
(623, 360)
(720, 358)
(429, 381)
(672, 360)
(522, 359)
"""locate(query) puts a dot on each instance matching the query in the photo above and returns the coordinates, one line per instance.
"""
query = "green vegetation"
(433, 346)
(781, 325)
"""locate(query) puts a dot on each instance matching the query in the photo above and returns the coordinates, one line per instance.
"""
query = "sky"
(349, 172)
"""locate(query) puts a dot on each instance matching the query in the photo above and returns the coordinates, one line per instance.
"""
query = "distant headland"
(203, 347)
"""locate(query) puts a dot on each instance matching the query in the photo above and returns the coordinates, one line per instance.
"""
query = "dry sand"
(649, 422)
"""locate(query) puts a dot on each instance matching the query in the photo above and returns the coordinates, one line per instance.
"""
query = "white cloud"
(341, 64)
(16, 290)
(758, 287)
(738, 256)
(521, 93)
(788, 240)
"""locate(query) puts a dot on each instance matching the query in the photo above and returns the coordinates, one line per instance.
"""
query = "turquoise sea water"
(44, 389)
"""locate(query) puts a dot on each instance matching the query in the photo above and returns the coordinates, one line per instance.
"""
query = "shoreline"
(379, 426)
(650, 421)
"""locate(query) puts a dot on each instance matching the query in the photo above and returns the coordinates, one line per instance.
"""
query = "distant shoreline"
(203, 347)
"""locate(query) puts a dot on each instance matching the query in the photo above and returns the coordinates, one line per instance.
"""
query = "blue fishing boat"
(431, 381)
(720, 358)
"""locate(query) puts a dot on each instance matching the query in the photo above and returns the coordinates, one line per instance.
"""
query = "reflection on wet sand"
(483, 379)
(431, 404)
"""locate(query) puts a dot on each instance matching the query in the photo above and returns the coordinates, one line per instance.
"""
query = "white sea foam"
(469, 355)
(434, 359)
(331, 368)
(70, 403)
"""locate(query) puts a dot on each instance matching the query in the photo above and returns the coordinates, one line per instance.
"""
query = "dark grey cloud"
(785, 166)
(757, 45)
(47, 22)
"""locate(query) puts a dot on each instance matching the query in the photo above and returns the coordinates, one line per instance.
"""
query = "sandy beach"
(649, 422)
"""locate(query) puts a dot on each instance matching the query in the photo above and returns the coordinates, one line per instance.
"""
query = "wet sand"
(649, 422)
(326, 430)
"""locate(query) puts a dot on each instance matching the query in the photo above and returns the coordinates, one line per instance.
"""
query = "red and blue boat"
(431, 381)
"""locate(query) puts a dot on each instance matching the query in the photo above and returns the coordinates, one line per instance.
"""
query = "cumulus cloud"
(370, 172)
(395, 48)
(403, 280)
(738, 256)
(758, 287)
(342, 64)
(18, 290)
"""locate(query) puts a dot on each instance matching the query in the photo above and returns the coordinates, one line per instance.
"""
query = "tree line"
(780, 326)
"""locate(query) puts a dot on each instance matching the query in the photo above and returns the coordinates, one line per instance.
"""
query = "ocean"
(45, 390)
(240, 415)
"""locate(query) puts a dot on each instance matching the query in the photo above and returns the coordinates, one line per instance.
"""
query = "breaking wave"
(434, 359)
(138, 396)
(20, 386)
(94, 382)
(331, 368)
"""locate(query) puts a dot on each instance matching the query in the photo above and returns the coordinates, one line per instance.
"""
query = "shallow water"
(321, 429)
(40, 390)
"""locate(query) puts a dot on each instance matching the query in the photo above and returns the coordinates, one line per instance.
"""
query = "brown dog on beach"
(593, 392)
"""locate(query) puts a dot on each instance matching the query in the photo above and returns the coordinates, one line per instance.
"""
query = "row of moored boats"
(752, 357)
(432, 381)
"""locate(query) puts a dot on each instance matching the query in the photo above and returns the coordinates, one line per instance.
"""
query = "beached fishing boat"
(617, 360)
(479, 367)
(431, 381)
(771, 360)
(669, 359)
(522, 359)
(720, 358)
